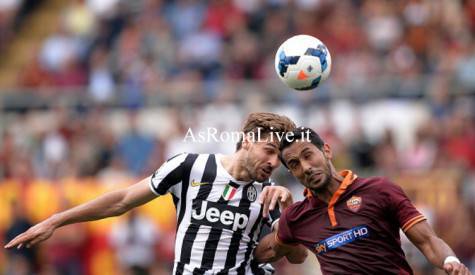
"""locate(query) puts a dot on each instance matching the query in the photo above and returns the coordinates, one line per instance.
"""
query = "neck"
(326, 193)
(234, 165)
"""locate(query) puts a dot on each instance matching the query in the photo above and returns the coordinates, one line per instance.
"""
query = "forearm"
(107, 205)
(436, 250)
(433, 248)
(265, 252)
(269, 250)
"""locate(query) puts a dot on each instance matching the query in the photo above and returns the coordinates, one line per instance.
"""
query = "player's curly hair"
(267, 122)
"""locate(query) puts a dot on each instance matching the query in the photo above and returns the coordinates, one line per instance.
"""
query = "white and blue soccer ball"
(303, 62)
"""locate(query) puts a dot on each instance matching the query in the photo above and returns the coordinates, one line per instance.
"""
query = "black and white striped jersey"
(219, 219)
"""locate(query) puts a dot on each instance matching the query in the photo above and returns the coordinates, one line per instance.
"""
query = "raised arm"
(111, 204)
(435, 249)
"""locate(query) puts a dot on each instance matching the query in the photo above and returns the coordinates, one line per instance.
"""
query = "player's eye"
(270, 151)
(293, 164)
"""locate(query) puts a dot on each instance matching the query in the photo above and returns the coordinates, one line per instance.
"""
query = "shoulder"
(188, 158)
(380, 187)
(176, 161)
(373, 183)
(178, 157)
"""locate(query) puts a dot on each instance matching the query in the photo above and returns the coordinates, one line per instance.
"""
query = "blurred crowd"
(179, 65)
(9, 11)
(134, 48)
(12, 14)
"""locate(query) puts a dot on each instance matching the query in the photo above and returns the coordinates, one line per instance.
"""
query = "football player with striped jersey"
(223, 203)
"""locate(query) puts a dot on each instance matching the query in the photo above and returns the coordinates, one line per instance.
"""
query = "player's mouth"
(315, 177)
(267, 171)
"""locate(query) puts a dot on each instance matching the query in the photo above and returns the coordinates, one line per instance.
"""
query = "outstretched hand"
(32, 236)
(271, 195)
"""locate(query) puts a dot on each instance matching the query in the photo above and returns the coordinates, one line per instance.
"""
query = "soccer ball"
(303, 62)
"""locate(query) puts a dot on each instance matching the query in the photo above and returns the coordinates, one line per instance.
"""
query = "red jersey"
(357, 232)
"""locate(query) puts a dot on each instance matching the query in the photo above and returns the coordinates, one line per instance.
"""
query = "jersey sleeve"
(400, 207)
(284, 232)
(168, 177)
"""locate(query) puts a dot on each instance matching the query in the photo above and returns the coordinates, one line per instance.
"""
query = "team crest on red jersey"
(354, 203)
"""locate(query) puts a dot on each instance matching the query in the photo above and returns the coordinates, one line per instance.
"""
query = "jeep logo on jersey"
(219, 215)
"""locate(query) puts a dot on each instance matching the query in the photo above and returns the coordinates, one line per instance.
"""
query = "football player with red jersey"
(350, 223)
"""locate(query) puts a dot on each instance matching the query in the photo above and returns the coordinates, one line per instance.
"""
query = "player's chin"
(316, 184)
(263, 176)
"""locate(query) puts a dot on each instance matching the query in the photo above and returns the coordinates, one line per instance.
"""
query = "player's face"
(308, 164)
(262, 159)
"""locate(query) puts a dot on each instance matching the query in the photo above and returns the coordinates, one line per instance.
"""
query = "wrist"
(55, 220)
(451, 259)
(275, 225)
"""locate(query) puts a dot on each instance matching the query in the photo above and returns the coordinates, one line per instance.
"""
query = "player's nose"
(307, 168)
(274, 162)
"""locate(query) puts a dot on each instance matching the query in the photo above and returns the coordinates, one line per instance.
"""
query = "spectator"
(135, 147)
(134, 241)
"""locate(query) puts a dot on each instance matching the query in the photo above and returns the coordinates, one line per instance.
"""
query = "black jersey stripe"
(209, 251)
(214, 238)
(187, 166)
(209, 176)
(175, 156)
(254, 236)
(175, 200)
(171, 179)
(255, 268)
(237, 236)
(180, 268)
(235, 239)
(250, 246)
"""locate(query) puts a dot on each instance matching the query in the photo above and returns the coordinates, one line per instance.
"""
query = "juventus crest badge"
(251, 193)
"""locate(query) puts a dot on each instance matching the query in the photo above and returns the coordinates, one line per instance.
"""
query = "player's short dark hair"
(267, 122)
(299, 134)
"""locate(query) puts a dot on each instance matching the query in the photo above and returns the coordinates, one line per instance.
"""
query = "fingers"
(456, 269)
(284, 197)
(13, 242)
(26, 239)
(265, 199)
(263, 194)
(271, 195)
(18, 241)
(464, 270)
(448, 268)
(273, 201)
(22, 241)
(286, 200)
(265, 206)
(36, 240)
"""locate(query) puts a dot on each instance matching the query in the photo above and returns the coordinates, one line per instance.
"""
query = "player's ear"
(246, 142)
(327, 152)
